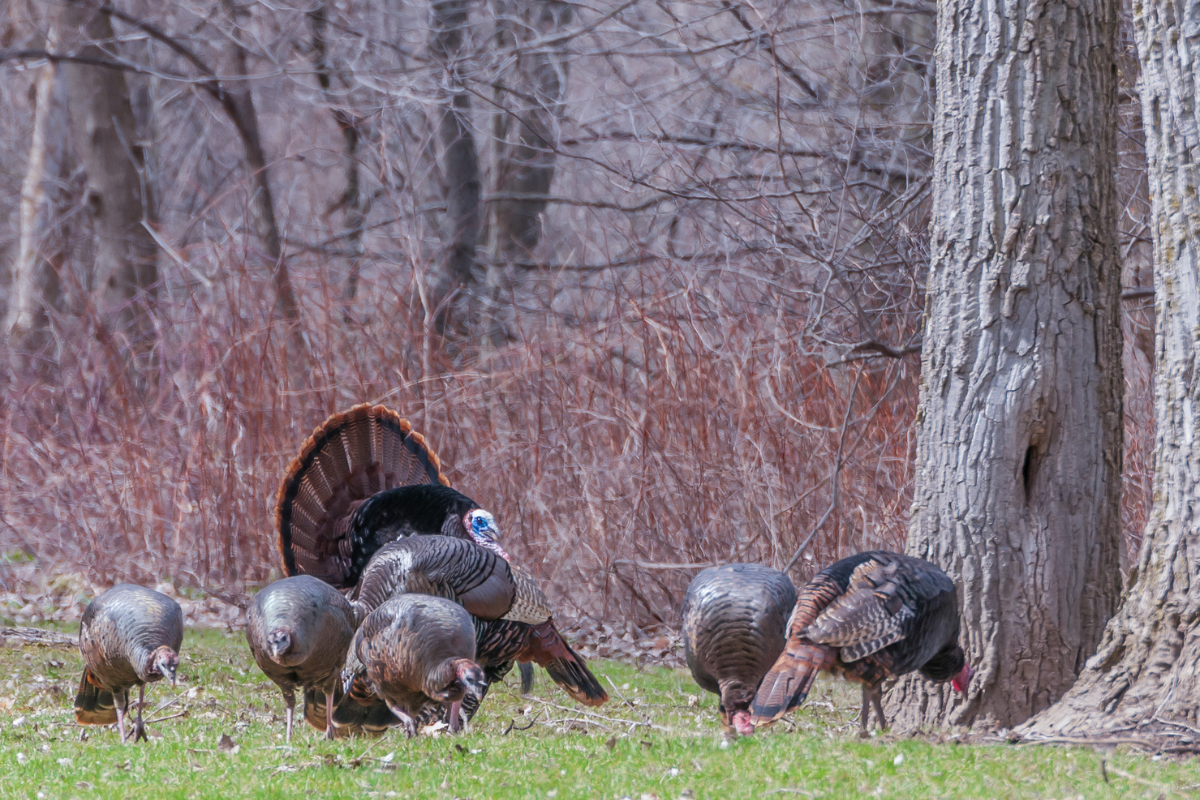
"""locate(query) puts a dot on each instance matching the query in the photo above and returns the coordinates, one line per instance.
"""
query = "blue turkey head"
(482, 527)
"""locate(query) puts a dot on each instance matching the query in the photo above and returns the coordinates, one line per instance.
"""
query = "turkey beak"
(168, 671)
(475, 686)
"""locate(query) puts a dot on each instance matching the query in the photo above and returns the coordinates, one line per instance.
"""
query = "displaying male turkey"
(129, 636)
(299, 630)
(734, 627)
(512, 618)
(416, 651)
(365, 478)
(868, 617)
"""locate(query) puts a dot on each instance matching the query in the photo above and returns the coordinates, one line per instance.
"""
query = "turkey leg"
(871, 698)
(455, 714)
(121, 701)
(139, 730)
(407, 723)
(329, 734)
(289, 700)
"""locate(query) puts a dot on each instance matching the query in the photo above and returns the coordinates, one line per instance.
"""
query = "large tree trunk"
(1019, 440)
(114, 158)
(1146, 672)
(460, 168)
(36, 288)
(525, 138)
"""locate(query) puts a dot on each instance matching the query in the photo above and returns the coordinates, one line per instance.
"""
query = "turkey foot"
(407, 723)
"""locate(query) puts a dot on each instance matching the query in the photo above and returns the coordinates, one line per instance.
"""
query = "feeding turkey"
(734, 627)
(511, 616)
(129, 636)
(299, 630)
(416, 651)
(868, 617)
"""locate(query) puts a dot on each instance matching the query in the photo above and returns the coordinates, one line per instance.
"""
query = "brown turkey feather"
(351, 456)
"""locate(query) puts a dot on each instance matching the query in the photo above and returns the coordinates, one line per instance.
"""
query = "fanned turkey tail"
(547, 648)
(93, 705)
(351, 456)
(788, 682)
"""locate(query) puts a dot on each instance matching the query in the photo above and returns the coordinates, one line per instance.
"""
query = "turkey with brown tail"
(512, 617)
(416, 651)
(365, 478)
(129, 636)
(299, 630)
(868, 617)
(734, 627)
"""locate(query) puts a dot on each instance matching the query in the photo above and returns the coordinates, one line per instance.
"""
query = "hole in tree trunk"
(1029, 470)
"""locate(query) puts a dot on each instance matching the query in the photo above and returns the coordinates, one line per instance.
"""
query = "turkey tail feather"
(93, 705)
(526, 670)
(787, 683)
(351, 456)
(549, 649)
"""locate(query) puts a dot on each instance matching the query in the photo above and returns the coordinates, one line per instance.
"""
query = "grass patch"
(657, 737)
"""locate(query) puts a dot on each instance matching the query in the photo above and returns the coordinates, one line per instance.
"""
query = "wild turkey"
(734, 627)
(868, 617)
(299, 630)
(417, 651)
(365, 478)
(513, 618)
(129, 636)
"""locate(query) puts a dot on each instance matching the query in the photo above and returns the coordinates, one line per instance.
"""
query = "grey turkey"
(868, 617)
(129, 636)
(511, 616)
(362, 479)
(417, 652)
(734, 627)
(299, 630)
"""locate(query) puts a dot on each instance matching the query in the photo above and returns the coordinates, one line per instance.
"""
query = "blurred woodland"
(648, 275)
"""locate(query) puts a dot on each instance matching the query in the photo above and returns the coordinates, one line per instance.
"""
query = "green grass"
(657, 737)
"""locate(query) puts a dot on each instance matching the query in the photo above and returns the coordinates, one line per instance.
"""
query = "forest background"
(649, 277)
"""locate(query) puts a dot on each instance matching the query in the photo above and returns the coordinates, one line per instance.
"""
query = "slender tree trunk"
(1019, 425)
(240, 103)
(460, 164)
(525, 137)
(1146, 672)
(351, 201)
(36, 289)
(106, 138)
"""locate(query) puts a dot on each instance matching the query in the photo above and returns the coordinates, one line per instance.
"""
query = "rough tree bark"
(36, 288)
(114, 159)
(1146, 673)
(529, 101)
(1019, 423)
(460, 166)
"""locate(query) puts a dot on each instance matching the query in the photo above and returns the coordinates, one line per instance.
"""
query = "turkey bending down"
(299, 630)
(362, 479)
(511, 616)
(867, 618)
(734, 627)
(417, 651)
(129, 636)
